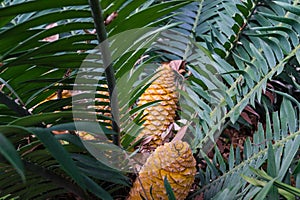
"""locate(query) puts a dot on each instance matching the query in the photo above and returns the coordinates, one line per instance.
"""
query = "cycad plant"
(240, 59)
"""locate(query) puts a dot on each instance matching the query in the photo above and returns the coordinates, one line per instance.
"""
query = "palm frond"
(233, 50)
(35, 67)
(250, 43)
(242, 76)
(286, 142)
(53, 169)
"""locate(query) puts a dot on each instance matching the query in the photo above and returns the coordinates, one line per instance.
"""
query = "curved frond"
(286, 141)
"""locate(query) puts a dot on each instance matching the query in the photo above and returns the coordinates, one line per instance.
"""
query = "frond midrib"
(255, 89)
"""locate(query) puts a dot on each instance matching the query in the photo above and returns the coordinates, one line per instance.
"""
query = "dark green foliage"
(237, 54)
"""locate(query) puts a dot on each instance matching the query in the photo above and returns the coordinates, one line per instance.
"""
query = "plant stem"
(107, 62)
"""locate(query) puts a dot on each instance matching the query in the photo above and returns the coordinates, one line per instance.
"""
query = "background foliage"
(242, 61)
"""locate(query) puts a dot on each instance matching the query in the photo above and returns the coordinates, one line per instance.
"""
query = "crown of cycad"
(173, 160)
(160, 116)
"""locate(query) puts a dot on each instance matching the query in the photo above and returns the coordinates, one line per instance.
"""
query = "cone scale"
(173, 160)
(159, 117)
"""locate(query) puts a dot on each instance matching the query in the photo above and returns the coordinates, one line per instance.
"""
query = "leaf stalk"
(107, 62)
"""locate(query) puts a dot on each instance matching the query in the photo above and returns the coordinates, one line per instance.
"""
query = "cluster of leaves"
(242, 49)
(234, 51)
(33, 67)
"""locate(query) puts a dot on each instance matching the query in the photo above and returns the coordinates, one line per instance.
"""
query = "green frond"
(36, 69)
(236, 54)
(224, 87)
(48, 168)
(286, 141)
